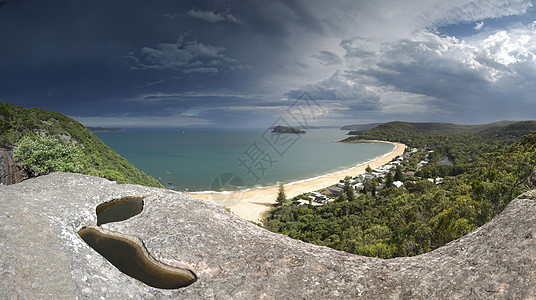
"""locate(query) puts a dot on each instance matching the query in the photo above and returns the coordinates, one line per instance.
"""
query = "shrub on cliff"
(40, 154)
(110, 175)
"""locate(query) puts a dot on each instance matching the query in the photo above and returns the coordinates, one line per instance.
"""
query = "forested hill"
(45, 142)
(413, 133)
(357, 127)
(434, 203)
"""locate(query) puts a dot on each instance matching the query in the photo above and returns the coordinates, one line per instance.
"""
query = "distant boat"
(170, 183)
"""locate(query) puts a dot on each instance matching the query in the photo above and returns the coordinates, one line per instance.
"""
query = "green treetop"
(389, 180)
(341, 198)
(399, 176)
(281, 196)
(349, 191)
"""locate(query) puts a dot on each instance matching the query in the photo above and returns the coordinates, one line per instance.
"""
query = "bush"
(40, 154)
(112, 175)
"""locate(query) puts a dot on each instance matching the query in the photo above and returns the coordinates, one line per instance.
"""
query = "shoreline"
(250, 204)
(301, 180)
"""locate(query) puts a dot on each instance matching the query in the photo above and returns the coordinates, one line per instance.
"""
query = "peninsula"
(105, 129)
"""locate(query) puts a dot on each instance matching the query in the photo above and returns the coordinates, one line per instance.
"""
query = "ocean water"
(233, 159)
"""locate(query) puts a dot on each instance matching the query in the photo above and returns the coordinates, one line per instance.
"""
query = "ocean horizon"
(205, 159)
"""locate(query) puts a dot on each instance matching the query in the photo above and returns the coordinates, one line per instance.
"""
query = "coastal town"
(402, 169)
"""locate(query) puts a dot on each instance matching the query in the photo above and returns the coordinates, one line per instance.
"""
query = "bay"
(216, 159)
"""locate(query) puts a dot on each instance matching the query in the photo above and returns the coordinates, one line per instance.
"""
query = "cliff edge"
(44, 257)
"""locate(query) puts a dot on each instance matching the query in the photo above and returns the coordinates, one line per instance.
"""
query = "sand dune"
(251, 204)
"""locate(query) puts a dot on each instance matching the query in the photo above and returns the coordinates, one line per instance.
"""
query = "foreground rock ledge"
(42, 257)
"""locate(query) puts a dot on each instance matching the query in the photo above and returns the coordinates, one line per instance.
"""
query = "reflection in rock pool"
(128, 254)
(119, 210)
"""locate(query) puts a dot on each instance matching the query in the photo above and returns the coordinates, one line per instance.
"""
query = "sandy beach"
(251, 204)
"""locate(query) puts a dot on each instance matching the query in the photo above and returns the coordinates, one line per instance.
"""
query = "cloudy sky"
(243, 63)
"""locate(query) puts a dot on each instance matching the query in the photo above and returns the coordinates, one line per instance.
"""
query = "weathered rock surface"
(42, 257)
(10, 173)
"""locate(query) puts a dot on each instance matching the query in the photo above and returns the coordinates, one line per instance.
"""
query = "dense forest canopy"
(490, 165)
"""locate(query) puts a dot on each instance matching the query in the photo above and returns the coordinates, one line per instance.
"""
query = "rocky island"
(285, 129)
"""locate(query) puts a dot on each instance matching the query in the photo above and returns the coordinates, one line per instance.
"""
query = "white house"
(377, 174)
(306, 202)
(358, 186)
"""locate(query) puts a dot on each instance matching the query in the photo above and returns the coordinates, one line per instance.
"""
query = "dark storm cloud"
(221, 62)
(66, 55)
(180, 55)
(210, 16)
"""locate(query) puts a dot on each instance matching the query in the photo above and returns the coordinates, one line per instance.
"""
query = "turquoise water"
(226, 159)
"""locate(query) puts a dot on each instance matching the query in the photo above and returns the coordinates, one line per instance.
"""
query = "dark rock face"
(10, 173)
(43, 256)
